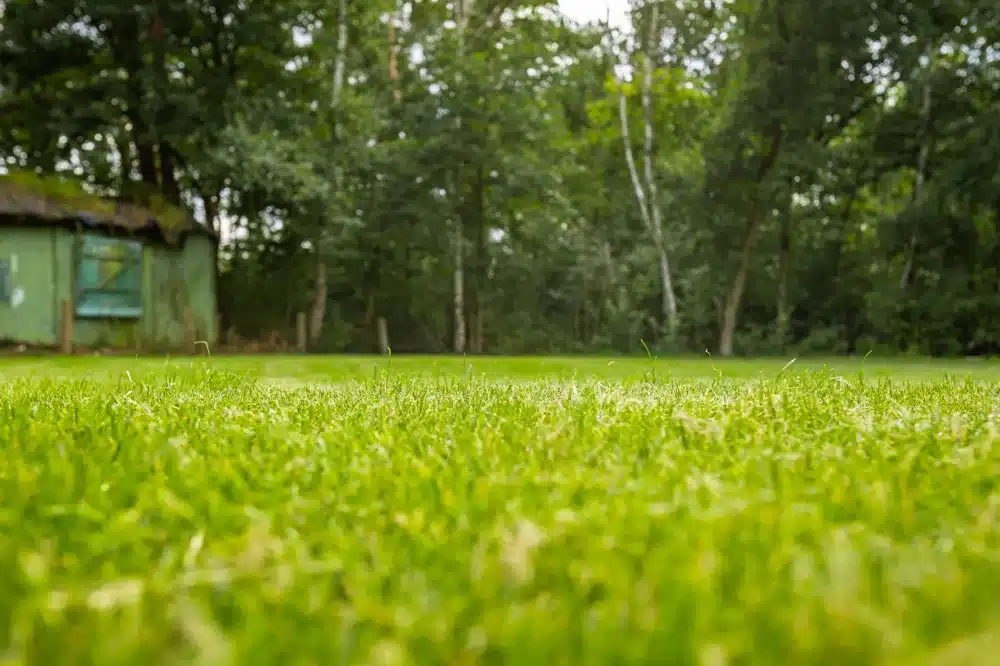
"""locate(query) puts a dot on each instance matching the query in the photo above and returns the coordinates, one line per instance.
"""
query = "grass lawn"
(312, 370)
(310, 510)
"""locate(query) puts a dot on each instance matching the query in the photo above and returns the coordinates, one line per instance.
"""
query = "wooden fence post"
(301, 334)
(189, 333)
(66, 328)
(383, 336)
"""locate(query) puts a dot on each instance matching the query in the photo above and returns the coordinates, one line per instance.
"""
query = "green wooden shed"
(132, 278)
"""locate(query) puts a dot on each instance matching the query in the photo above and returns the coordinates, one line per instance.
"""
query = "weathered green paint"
(173, 279)
(167, 296)
(29, 318)
(109, 277)
(199, 274)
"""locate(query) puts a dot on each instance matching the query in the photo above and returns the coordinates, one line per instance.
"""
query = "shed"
(133, 277)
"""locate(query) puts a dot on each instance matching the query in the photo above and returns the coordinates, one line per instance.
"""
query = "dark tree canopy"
(797, 176)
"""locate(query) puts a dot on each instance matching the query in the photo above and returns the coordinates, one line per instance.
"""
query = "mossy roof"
(27, 198)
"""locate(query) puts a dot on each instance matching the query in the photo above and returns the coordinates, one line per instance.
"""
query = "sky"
(595, 10)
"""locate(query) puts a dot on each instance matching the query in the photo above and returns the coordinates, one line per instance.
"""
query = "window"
(109, 278)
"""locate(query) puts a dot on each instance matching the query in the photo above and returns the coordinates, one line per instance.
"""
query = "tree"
(470, 174)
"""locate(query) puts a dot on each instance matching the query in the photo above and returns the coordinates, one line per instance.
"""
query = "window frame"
(94, 249)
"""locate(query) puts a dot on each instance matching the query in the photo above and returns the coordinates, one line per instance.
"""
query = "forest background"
(500, 176)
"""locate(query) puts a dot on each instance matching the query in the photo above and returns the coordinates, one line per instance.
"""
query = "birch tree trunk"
(462, 9)
(397, 94)
(320, 294)
(640, 192)
(918, 186)
(647, 194)
(341, 63)
(655, 218)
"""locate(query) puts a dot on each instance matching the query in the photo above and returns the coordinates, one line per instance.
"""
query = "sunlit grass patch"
(195, 514)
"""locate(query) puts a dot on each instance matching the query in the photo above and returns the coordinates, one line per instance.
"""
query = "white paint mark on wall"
(16, 297)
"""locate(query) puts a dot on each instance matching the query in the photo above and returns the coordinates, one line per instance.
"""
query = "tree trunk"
(478, 332)
(616, 293)
(666, 283)
(126, 48)
(640, 193)
(655, 218)
(397, 94)
(459, 287)
(127, 161)
(649, 208)
(168, 177)
(784, 271)
(734, 299)
(141, 131)
(480, 265)
(340, 64)
(730, 311)
(211, 203)
(145, 153)
(918, 187)
(318, 314)
(462, 9)
(370, 323)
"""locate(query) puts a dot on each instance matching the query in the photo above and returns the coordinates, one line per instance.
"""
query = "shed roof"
(27, 198)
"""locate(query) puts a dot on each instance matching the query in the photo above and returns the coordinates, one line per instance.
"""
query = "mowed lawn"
(312, 370)
(342, 510)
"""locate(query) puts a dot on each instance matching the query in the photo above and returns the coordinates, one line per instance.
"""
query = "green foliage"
(787, 139)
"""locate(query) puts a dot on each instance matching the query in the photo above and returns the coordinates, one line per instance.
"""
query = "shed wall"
(173, 279)
(31, 315)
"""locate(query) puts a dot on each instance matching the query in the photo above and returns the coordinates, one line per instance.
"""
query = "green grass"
(312, 370)
(498, 511)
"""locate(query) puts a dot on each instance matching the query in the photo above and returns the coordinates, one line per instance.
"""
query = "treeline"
(485, 176)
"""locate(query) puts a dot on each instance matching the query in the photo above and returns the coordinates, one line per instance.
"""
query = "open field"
(312, 510)
(312, 370)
